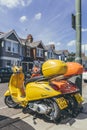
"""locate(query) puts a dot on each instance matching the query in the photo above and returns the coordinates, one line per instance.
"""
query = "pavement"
(23, 121)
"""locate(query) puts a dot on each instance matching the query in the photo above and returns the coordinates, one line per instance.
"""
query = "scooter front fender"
(7, 93)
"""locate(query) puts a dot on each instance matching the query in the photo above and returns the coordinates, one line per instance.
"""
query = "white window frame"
(39, 52)
(11, 46)
(8, 46)
(50, 54)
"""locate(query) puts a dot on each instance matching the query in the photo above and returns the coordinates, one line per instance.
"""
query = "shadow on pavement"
(7, 123)
(36, 115)
(81, 116)
(68, 119)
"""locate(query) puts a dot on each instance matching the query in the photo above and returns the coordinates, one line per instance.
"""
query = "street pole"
(78, 42)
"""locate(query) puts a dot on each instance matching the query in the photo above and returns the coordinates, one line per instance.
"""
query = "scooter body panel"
(40, 90)
(66, 86)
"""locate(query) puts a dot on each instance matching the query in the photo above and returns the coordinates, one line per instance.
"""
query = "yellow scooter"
(39, 93)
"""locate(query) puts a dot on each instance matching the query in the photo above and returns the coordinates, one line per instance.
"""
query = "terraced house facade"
(10, 49)
(18, 51)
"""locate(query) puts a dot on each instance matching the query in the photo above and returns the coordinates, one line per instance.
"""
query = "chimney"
(29, 38)
(52, 46)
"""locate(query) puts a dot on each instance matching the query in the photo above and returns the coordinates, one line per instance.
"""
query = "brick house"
(33, 52)
(19, 51)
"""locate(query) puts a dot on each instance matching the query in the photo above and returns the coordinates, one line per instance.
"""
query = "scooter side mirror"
(16, 69)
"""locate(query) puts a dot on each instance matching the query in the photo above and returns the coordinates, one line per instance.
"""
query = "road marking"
(3, 107)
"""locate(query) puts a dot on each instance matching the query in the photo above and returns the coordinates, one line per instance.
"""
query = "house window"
(8, 46)
(39, 52)
(12, 46)
(8, 63)
(28, 51)
(50, 54)
(2, 44)
(15, 48)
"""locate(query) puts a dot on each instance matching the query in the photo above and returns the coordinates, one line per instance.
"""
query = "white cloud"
(2, 10)
(84, 29)
(84, 47)
(51, 42)
(38, 16)
(29, 2)
(26, 2)
(14, 3)
(71, 43)
(9, 3)
(58, 43)
(23, 19)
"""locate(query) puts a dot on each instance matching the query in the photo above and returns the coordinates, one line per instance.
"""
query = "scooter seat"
(37, 78)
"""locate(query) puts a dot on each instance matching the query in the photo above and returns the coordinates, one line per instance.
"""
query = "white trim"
(11, 41)
(39, 49)
(9, 58)
(9, 33)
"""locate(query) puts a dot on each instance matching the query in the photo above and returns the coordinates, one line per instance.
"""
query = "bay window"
(11, 46)
(39, 52)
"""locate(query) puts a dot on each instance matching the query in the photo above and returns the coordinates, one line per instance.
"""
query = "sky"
(47, 20)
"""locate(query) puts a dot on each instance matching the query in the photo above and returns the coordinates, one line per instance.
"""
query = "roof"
(36, 44)
(33, 44)
(2, 35)
(51, 46)
(61, 52)
(23, 41)
(5, 35)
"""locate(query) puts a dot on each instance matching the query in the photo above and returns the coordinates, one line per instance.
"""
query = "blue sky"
(46, 20)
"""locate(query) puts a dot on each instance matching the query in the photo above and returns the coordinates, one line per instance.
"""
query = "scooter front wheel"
(9, 102)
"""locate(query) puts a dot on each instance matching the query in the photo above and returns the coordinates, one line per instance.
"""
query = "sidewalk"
(25, 121)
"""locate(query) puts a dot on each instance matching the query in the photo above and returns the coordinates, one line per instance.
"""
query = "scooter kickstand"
(34, 117)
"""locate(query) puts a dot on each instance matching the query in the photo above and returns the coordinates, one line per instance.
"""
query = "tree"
(71, 57)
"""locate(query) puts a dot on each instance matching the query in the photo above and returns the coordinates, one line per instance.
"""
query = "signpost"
(78, 41)
(76, 25)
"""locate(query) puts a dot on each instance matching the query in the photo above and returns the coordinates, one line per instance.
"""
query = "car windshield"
(5, 70)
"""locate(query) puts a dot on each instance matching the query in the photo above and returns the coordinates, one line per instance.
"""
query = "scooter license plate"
(62, 103)
(78, 98)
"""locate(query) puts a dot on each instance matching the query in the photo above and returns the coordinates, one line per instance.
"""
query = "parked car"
(5, 74)
(84, 75)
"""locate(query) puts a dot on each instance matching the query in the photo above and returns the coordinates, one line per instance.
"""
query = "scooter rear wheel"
(9, 102)
(55, 111)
